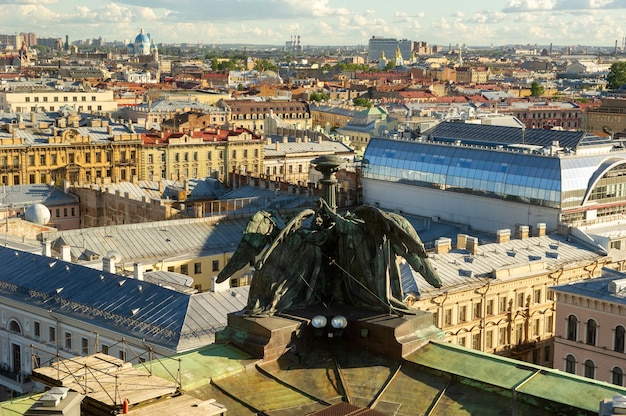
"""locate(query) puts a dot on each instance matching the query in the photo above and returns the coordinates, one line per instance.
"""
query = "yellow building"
(495, 297)
(44, 150)
(210, 153)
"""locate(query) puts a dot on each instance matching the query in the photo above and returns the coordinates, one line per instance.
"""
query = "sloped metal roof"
(130, 307)
(25, 195)
(153, 241)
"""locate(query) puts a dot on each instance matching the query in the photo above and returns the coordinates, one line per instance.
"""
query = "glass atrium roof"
(486, 171)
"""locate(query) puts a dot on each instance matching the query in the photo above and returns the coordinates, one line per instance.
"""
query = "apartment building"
(251, 114)
(51, 147)
(495, 297)
(609, 117)
(197, 154)
(591, 327)
(53, 309)
(50, 99)
(546, 115)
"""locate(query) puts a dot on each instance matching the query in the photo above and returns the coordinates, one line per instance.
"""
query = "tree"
(536, 90)
(264, 65)
(318, 96)
(616, 76)
(362, 102)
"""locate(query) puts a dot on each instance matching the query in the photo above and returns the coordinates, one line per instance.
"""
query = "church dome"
(142, 38)
(37, 214)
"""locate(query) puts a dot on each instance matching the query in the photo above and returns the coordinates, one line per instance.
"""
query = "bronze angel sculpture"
(323, 257)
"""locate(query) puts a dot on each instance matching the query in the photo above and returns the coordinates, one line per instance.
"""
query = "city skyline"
(324, 22)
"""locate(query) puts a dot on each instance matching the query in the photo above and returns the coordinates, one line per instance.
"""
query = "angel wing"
(260, 231)
(404, 239)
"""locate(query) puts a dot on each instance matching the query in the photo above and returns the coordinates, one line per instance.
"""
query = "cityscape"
(282, 222)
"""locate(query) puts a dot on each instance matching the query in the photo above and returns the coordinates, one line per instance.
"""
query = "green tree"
(362, 102)
(264, 65)
(536, 90)
(318, 96)
(616, 76)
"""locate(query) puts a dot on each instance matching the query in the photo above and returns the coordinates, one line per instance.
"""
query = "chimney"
(65, 253)
(219, 287)
(521, 232)
(285, 139)
(541, 229)
(461, 241)
(443, 245)
(109, 130)
(46, 249)
(472, 245)
(277, 146)
(503, 236)
(137, 271)
(108, 264)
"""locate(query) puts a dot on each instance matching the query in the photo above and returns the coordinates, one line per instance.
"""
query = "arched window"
(592, 330)
(570, 364)
(572, 328)
(590, 369)
(620, 332)
(618, 376)
(14, 326)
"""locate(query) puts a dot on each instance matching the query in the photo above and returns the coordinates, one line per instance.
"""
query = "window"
(87, 157)
(476, 341)
(52, 334)
(548, 323)
(537, 296)
(520, 300)
(84, 346)
(216, 265)
(590, 369)
(170, 268)
(570, 364)
(150, 159)
(502, 336)
(461, 341)
(447, 317)
(546, 353)
(14, 326)
(462, 313)
(478, 306)
(502, 304)
(519, 333)
(208, 155)
(572, 328)
(122, 355)
(105, 349)
(618, 344)
(31, 160)
(618, 376)
(489, 339)
(184, 269)
(197, 268)
(536, 327)
(42, 159)
(37, 329)
(490, 307)
(592, 329)
(68, 341)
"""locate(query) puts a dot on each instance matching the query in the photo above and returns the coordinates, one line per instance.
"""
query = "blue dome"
(142, 38)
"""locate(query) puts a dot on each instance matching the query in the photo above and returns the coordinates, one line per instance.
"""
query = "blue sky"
(324, 22)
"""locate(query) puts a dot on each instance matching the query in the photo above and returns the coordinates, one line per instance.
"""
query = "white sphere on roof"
(37, 214)
(115, 255)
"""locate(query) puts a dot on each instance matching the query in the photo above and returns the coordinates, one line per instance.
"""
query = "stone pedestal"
(392, 336)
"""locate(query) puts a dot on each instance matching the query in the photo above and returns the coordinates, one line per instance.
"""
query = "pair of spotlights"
(338, 322)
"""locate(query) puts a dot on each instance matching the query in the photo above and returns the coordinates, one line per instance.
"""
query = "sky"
(324, 22)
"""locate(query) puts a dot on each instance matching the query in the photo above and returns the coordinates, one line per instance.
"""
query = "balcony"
(19, 382)
(126, 162)
(9, 168)
(523, 347)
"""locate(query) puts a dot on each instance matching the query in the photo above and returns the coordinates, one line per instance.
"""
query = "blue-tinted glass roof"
(482, 134)
(515, 176)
